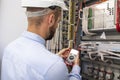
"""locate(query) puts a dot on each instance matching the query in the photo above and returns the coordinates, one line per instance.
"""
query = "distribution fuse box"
(100, 43)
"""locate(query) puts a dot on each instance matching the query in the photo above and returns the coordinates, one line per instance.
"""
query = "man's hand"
(64, 53)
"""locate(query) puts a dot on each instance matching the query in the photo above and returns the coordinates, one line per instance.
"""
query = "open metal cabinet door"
(118, 15)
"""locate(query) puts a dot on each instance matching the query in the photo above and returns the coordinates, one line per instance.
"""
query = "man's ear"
(51, 19)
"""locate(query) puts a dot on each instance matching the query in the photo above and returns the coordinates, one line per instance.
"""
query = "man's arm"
(59, 71)
(75, 73)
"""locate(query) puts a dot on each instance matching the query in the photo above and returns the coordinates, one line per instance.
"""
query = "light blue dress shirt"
(27, 59)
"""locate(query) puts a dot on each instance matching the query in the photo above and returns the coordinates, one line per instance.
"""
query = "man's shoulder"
(11, 45)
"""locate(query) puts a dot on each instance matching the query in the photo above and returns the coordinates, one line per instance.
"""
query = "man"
(26, 58)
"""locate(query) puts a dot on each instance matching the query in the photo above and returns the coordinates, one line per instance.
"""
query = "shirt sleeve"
(59, 71)
(75, 73)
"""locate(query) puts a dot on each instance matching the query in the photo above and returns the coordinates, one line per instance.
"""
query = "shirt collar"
(34, 36)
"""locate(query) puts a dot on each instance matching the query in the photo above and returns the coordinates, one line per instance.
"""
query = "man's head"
(43, 16)
(46, 20)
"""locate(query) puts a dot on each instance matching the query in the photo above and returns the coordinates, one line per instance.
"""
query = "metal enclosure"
(100, 45)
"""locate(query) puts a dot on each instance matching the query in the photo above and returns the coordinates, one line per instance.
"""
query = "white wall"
(12, 22)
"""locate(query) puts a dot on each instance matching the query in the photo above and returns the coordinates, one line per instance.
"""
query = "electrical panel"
(100, 42)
